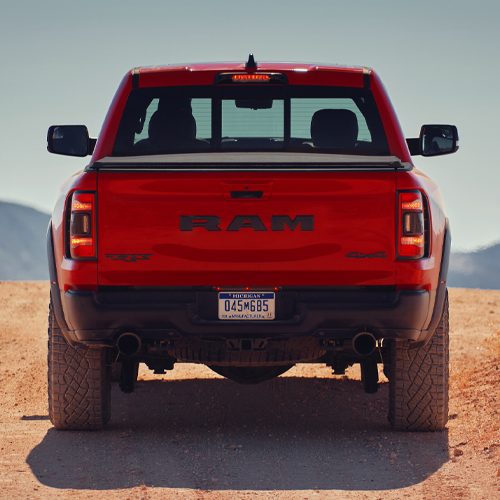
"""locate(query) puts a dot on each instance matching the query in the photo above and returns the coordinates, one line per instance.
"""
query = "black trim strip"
(135, 80)
(256, 169)
(245, 195)
(250, 166)
(287, 125)
(216, 123)
(442, 289)
(55, 293)
(366, 78)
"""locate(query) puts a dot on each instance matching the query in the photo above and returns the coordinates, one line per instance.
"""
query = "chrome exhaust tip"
(364, 344)
(129, 344)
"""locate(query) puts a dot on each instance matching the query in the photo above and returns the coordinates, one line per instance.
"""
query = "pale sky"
(62, 62)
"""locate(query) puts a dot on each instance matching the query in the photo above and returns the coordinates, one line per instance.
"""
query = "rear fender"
(55, 294)
(441, 290)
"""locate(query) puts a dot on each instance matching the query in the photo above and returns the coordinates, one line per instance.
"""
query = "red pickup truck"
(249, 217)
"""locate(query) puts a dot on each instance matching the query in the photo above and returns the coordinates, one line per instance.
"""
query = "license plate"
(246, 305)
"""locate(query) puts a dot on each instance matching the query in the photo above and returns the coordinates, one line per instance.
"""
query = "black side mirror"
(434, 140)
(438, 139)
(69, 140)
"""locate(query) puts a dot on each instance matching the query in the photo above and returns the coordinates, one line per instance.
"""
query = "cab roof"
(205, 73)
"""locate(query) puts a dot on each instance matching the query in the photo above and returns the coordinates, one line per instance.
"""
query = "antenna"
(251, 65)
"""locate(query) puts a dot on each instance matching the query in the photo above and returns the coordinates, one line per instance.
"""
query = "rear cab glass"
(250, 118)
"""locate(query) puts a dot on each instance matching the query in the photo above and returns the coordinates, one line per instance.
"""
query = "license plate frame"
(246, 306)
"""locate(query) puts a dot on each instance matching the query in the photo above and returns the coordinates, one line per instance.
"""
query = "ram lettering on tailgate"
(278, 223)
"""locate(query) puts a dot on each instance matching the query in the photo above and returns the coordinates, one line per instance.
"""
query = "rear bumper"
(160, 314)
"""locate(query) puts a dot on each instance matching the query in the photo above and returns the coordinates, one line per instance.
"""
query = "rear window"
(250, 118)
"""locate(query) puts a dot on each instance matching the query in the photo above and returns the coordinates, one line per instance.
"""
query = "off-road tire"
(418, 383)
(79, 383)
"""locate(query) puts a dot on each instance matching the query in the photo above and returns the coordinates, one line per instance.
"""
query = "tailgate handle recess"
(246, 194)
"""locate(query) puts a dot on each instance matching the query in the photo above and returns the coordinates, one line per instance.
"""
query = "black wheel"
(79, 383)
(250, 375)
(418, 384)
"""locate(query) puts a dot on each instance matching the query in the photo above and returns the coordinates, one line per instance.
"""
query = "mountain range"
(23, 252)
(478, 269)
(23, 246)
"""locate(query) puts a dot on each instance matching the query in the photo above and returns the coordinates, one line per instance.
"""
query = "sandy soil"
(192, 434)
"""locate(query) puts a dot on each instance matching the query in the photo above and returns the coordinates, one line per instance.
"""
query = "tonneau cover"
(253, 158)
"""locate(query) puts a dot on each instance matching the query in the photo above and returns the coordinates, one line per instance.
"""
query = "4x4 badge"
(360, 255)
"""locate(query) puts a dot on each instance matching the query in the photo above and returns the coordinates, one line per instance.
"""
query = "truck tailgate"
(170, 228)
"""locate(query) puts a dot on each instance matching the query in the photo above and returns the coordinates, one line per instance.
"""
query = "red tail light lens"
(82, 221)
(411, 230)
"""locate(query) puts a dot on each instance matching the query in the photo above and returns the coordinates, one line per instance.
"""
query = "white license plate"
(246, 305)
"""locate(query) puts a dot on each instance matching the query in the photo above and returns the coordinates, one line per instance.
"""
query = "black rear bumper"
(99, 317)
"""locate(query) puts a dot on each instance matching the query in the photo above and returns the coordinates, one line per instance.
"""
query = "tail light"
(411, 225)
(82, 226)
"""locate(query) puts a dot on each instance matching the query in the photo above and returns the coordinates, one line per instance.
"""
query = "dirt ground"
(191, 434)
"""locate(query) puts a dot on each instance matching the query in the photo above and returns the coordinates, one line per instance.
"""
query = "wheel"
(248, 374)
(418, 383)
(79, 383)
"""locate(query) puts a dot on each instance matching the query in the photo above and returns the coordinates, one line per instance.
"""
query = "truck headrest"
(172, 127)
(334, 128)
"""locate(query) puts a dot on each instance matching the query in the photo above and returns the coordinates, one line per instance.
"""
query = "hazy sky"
(62, 61)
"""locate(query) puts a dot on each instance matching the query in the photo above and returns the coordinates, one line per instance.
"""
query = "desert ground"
(192, 434)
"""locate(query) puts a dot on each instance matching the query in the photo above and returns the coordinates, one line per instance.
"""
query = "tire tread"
(79, 390)
(418, 387)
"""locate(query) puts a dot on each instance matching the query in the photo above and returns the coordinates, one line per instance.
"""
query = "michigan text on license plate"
(246, 305)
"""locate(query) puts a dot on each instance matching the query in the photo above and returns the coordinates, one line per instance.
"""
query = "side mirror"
(69, 140)
(438, 140)
(434, 140)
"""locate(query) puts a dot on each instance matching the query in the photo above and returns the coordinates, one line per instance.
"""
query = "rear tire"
(418, 382)
(79, 383)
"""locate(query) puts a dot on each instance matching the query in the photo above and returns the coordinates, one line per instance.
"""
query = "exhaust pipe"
(364, 344)
(129, 343)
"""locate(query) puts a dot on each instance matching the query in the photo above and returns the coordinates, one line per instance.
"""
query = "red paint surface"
(140, 213)
(354, 211)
